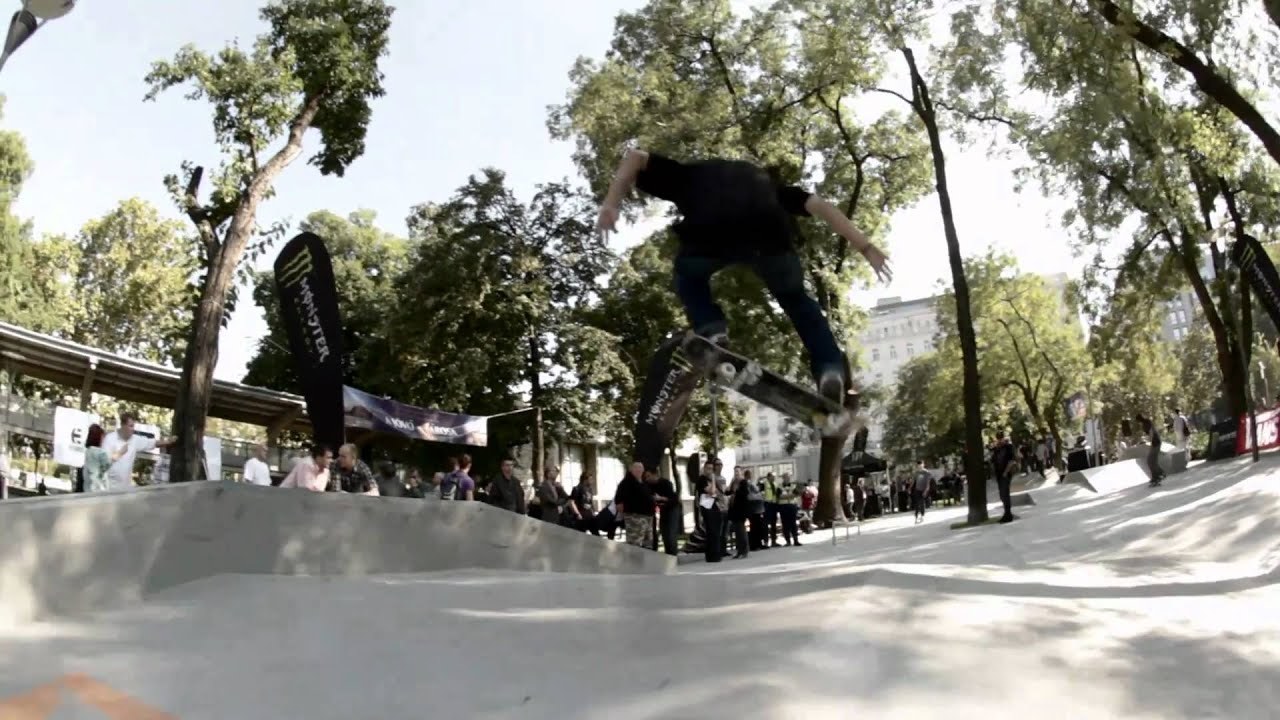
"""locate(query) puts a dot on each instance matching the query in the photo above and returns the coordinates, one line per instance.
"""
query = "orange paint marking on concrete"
(41, 702)
(36, 704)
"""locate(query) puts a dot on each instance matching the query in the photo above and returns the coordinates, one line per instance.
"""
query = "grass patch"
(966, 524)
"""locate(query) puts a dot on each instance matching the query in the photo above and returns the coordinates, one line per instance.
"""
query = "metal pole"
(6, 463)
(715, 422)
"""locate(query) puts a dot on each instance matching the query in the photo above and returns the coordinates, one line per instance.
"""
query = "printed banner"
(667, 391)
(1268, 431)
(1254, 263)
(384, 415)
(309, 311)
(213, 458)
(1077, 407)
(70, 430)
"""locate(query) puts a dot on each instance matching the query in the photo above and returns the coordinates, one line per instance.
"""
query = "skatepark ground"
(1134, 603)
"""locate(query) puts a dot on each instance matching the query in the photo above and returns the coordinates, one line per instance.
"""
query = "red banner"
(1268, 432)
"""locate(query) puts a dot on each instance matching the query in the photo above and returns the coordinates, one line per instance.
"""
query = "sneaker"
(831, 386)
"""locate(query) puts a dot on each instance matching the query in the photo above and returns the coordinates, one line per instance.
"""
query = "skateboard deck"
(746, 376)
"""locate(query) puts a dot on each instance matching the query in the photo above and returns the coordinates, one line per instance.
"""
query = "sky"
(468, 83)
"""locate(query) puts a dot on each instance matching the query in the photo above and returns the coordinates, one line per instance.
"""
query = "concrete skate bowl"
(73, 554)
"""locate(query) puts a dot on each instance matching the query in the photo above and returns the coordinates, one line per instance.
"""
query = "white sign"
(70, 429)
(213, 457)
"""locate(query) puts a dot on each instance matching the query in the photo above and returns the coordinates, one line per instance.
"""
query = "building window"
(893, 352)
(911, 350)
(875, 354)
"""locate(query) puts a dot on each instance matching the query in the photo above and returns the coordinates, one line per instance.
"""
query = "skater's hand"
(879, 262)
(607, 222)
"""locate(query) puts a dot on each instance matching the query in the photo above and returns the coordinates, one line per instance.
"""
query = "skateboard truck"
(731, 378)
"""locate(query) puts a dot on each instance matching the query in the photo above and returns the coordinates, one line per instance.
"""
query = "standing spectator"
(769, 488)
(789, 509)
(413, 486)
(1181, 429)
(860, 499)
(758, 536)
(389, 484)
(634, 499)
(920, 489)
(1153, 455)
(96, 461)
(1004, 463)
(710, 508)
(582, 503)
(122, 447)
(506, 491)
(350, 474)
(739, 511)
(256, 471)
(311, 473)
(548, 492)
(669, 511)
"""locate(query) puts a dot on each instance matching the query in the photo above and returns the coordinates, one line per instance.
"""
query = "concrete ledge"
(1112, 477)
(71, 554)
(1172, 460)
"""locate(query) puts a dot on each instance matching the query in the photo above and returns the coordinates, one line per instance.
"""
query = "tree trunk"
(535, 398)
(975, 466)
(1244, 345)
(195, 390)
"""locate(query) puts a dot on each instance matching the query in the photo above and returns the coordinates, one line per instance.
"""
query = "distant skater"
(1153, 456)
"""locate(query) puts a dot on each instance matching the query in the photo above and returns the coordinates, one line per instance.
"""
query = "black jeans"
(668, 529)
(1003, 481)
(712, 519)
(917, 501)
(790, 528)
(741, 544)
(783, 275)
(771, 521)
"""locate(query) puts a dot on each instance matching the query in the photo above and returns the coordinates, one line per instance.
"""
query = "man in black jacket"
(634, 499)
(669, 511)
(1002, 461)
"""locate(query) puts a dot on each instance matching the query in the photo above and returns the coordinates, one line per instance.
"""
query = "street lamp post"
(26, 21)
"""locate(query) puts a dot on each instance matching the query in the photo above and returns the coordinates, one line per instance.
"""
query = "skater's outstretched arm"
(633, 162)
(839, 222)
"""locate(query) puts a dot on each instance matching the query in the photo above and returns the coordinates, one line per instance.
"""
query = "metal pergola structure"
(92, 370)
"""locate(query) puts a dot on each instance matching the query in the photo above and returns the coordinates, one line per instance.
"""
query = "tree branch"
(977, 117)
(1207, 80)
(896, 94)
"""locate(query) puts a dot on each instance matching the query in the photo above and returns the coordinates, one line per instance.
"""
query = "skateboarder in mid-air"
(734, 213)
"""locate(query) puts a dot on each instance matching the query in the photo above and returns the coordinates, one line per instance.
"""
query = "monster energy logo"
(680, 365)
(1247, 259)
(297, 273)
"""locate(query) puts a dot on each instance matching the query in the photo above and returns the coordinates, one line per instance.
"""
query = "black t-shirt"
(635, 496)
(725, 204)
(665, 489)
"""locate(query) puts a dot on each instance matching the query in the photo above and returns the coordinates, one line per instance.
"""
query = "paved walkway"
(1140, 604)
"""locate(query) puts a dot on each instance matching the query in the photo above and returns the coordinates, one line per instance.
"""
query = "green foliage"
(21, 301)
(316, 67)
(369, 267)
(1150, 163)
(1032, 355)
(493, 303)
(129, 276)
(698, 80)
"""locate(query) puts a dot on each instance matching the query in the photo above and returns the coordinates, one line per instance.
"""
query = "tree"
(1125, 137)
(925, 417)
(130, 282)
(316, 67)
(1199, 381)
(369, 277)
(1229, 51)
(1030, 339)
(492, 316)
(695, 80)
(23, 296)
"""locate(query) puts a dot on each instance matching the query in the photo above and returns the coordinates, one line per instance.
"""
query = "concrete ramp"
(72, 554)
(1172, 460)
(1111, 478)
(1061, 493)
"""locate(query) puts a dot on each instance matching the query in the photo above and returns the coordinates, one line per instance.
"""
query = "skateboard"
(747, 377)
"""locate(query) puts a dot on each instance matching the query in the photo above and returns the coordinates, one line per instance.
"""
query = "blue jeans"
(784, 277)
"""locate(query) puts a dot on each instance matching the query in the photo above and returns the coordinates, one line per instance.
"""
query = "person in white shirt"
(256, 471)
(122, 448)
(1181, 429)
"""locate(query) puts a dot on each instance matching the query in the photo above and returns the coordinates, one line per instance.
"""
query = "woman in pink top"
(311, 473)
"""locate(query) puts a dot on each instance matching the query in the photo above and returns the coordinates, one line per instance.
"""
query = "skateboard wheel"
(727, 371)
